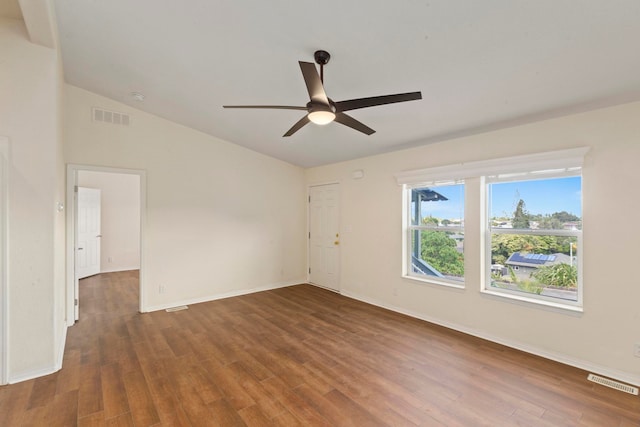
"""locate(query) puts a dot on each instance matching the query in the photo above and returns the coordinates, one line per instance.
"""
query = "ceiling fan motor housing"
(322, 57)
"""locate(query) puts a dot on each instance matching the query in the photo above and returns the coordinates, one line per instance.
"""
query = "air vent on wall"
(613, 384)
(178, 308)
(106, 116)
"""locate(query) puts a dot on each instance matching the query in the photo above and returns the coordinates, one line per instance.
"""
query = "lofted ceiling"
(480, 65)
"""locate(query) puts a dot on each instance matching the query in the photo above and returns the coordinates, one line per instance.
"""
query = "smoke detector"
(137, 96)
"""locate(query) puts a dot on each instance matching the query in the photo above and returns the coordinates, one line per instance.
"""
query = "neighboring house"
(503, 224)
(523, 263)
(499, 269)
(459, 238)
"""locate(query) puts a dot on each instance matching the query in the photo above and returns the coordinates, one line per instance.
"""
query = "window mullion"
(536, 232)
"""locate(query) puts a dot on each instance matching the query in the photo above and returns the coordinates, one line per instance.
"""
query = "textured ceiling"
(479, 65)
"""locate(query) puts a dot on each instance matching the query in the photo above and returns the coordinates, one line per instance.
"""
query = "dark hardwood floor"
(297, 356)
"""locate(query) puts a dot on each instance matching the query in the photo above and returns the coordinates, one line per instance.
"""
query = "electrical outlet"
(636, 350)
(110, 259)
(395, 292)
(162, 289)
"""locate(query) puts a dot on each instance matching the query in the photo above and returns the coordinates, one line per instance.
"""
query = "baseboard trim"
(222, 295)
(61, 346)
(118, 270)
(557, 357)
(30, 375)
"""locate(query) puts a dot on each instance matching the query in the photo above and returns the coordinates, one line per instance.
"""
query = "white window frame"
(558, 163)
(490, 231)
(409, 228)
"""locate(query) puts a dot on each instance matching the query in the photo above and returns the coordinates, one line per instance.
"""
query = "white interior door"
(324, 236)
(88, 245)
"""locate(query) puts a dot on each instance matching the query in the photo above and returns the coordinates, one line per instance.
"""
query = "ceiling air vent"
(113, 117)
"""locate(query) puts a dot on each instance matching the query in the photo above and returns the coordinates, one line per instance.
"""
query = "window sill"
(540, 302)
(434, 282)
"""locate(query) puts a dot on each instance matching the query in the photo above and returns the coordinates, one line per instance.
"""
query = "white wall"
(120, 218)
(601, 338)
(30, 117)
(220, 220)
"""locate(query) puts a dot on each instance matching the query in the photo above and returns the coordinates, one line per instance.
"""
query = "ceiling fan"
(321, 109)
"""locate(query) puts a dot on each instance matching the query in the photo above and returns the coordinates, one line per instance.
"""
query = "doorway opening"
(104, 237)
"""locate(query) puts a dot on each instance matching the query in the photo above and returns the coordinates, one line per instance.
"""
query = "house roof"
(479, 65)
(428, 195)
(525, 259)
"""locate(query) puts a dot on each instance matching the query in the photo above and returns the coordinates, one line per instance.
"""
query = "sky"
(544, 196)
(448, 209)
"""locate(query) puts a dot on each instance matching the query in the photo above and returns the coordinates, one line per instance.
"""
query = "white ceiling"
(10, 9)
(480, 65)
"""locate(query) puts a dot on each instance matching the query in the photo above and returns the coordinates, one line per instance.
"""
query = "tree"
(520, 216)
(558, 275)
(430, 220)
(548, 222)
(554, 221)
(503, 245)
(440, 251)
(565, 217)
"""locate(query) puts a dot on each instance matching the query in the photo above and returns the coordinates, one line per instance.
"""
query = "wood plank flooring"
(297, 356)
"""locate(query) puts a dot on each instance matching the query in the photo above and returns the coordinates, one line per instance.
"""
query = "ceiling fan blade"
(272, 107)
(354, 104)
(295, 128)
(353, 123)
(313, 82)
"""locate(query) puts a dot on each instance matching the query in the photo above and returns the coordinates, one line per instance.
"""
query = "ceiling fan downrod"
(322, 58)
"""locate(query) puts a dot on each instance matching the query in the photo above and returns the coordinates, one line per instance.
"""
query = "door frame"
(4, 257)
(309, 186)
(72, 182)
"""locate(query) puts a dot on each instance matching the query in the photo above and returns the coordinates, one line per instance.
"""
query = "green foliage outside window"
(431, 221)
(558, 275)
(521, 216)
(503, 245)
(440, 251)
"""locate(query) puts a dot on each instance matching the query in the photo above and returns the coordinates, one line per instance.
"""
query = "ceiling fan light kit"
(321, 116)
(322, 110)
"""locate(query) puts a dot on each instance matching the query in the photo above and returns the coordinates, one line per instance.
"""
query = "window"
(436, 233)
(535, 236)
(526, 215)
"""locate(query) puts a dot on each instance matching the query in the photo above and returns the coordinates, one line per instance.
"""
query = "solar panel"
(537, 259)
